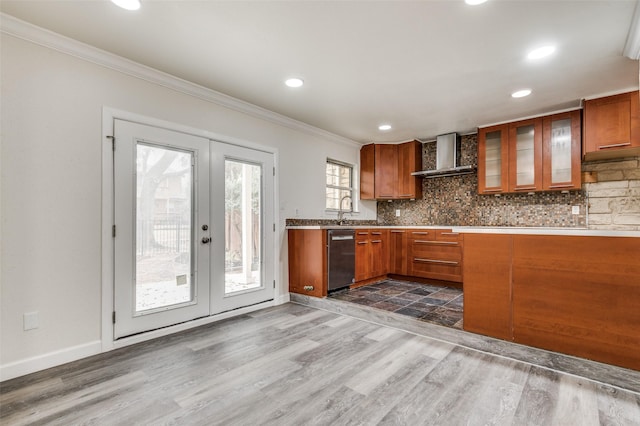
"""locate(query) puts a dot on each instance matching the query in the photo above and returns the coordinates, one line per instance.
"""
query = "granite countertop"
(493, 230)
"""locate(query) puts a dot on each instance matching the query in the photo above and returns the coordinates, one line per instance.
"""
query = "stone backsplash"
(614, 194)
(454, 200)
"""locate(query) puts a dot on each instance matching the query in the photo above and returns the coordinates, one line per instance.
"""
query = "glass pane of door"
(525, 159)
(243, 233)
(164, 217)
(561, 150)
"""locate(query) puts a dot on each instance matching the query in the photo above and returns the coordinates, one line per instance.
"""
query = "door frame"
(108, 247)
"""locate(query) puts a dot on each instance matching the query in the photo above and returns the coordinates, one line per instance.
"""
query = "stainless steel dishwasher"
(341, 255)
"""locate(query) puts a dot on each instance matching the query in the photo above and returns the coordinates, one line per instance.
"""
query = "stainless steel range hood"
(447, 158)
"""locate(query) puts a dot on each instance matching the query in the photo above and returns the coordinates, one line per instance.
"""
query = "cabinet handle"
(450, 233)
(492, 190)
(615, 145)
(526, 188)
(363, 233)
(441, 262)
(396, 232)
(407, 195)
(447, 243)
(561, 186)
(420, 233)
(376, 241)
(376, 233)
(363, 242)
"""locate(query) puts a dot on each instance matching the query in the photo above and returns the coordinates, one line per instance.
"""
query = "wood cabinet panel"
(398, 252)
(493, 159)
(578, 295)
(372, 255)
(409, 161)
(487, 284)
(307, 261)
(367, 172)
(612, 126)
(435, 254)
(386, 171)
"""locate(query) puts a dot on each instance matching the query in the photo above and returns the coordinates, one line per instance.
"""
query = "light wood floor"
(297, 365)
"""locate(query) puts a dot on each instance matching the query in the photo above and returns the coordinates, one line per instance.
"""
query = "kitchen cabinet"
(398, 248)
(561, 136)
(385, 171)
(493, 159)
(540, 154)
(371, 253)
(579, 295)
(435, 254)
(612, 126)
(308, 261)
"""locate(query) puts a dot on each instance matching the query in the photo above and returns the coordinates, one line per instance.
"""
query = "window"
(339, 185)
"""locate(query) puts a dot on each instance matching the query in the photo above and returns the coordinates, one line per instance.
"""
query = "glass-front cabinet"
(561, 151)
(540, 154)
(493, 159)
(525, 156)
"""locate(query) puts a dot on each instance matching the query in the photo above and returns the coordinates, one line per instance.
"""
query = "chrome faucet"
(342, 212)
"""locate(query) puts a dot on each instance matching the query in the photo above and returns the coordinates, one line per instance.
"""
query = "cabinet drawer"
(426, 234)
(449, 270)
(448, 235)
(441, 250)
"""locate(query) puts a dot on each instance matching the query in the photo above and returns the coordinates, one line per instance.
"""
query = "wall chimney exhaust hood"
(447, 158)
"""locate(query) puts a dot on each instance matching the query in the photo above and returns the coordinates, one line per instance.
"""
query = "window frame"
(351, 188)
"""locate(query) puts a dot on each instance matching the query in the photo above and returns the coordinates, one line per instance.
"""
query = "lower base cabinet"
(575, 295)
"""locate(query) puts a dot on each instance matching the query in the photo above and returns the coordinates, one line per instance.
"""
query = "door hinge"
(113, 317)
(113, 231)
(113, 142)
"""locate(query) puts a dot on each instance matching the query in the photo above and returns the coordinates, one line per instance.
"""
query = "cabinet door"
(386, 171)
(409, 161)
(493, 159)
(398, 252)
(525, 156)
(379, 252)
(367, 172)
(308, 261)
(611, 125)
(561, 151)
(363, 255)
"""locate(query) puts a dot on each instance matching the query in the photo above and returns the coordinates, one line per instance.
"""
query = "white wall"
(51, 185)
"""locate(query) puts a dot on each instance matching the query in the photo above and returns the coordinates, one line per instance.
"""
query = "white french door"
(242, 214)
(193, 227)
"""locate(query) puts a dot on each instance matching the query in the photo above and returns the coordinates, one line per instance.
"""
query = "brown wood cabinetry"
(385, 171)
(576, 295)
(487, 286)
(435, 254)
(612, 126)
(398, 250)
(308, 261)
(372, 255)
(540, 154)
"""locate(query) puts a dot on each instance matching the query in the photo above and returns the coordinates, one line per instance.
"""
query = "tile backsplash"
(454, 200)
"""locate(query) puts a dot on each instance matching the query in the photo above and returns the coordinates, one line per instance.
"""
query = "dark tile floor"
(430, 303)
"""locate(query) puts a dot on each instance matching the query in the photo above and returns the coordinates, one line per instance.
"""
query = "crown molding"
(43, 37)
(632, 46)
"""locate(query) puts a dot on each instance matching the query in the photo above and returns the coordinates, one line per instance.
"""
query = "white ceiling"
(425, 67)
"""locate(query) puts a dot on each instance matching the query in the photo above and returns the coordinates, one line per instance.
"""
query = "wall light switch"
(30, 320)
(397, 212)
(575, 209)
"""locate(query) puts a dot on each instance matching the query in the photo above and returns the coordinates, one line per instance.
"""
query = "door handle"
(206, 240)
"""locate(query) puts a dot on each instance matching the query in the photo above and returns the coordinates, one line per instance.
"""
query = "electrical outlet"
(30, 320)
(575, 209)
(397, 212)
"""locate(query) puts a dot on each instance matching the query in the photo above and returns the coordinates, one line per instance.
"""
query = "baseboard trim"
(48, 360)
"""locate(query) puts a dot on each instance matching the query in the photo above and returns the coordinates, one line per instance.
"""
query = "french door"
(190, 219)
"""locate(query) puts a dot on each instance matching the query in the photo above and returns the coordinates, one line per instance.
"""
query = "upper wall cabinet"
(612, 126)
(541, 154)
(385, 171)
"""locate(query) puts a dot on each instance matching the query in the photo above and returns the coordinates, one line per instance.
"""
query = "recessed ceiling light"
(294, 82)
(474, 2)
(384, 127)
(521, 93)
(127, 4)
(541, 52)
